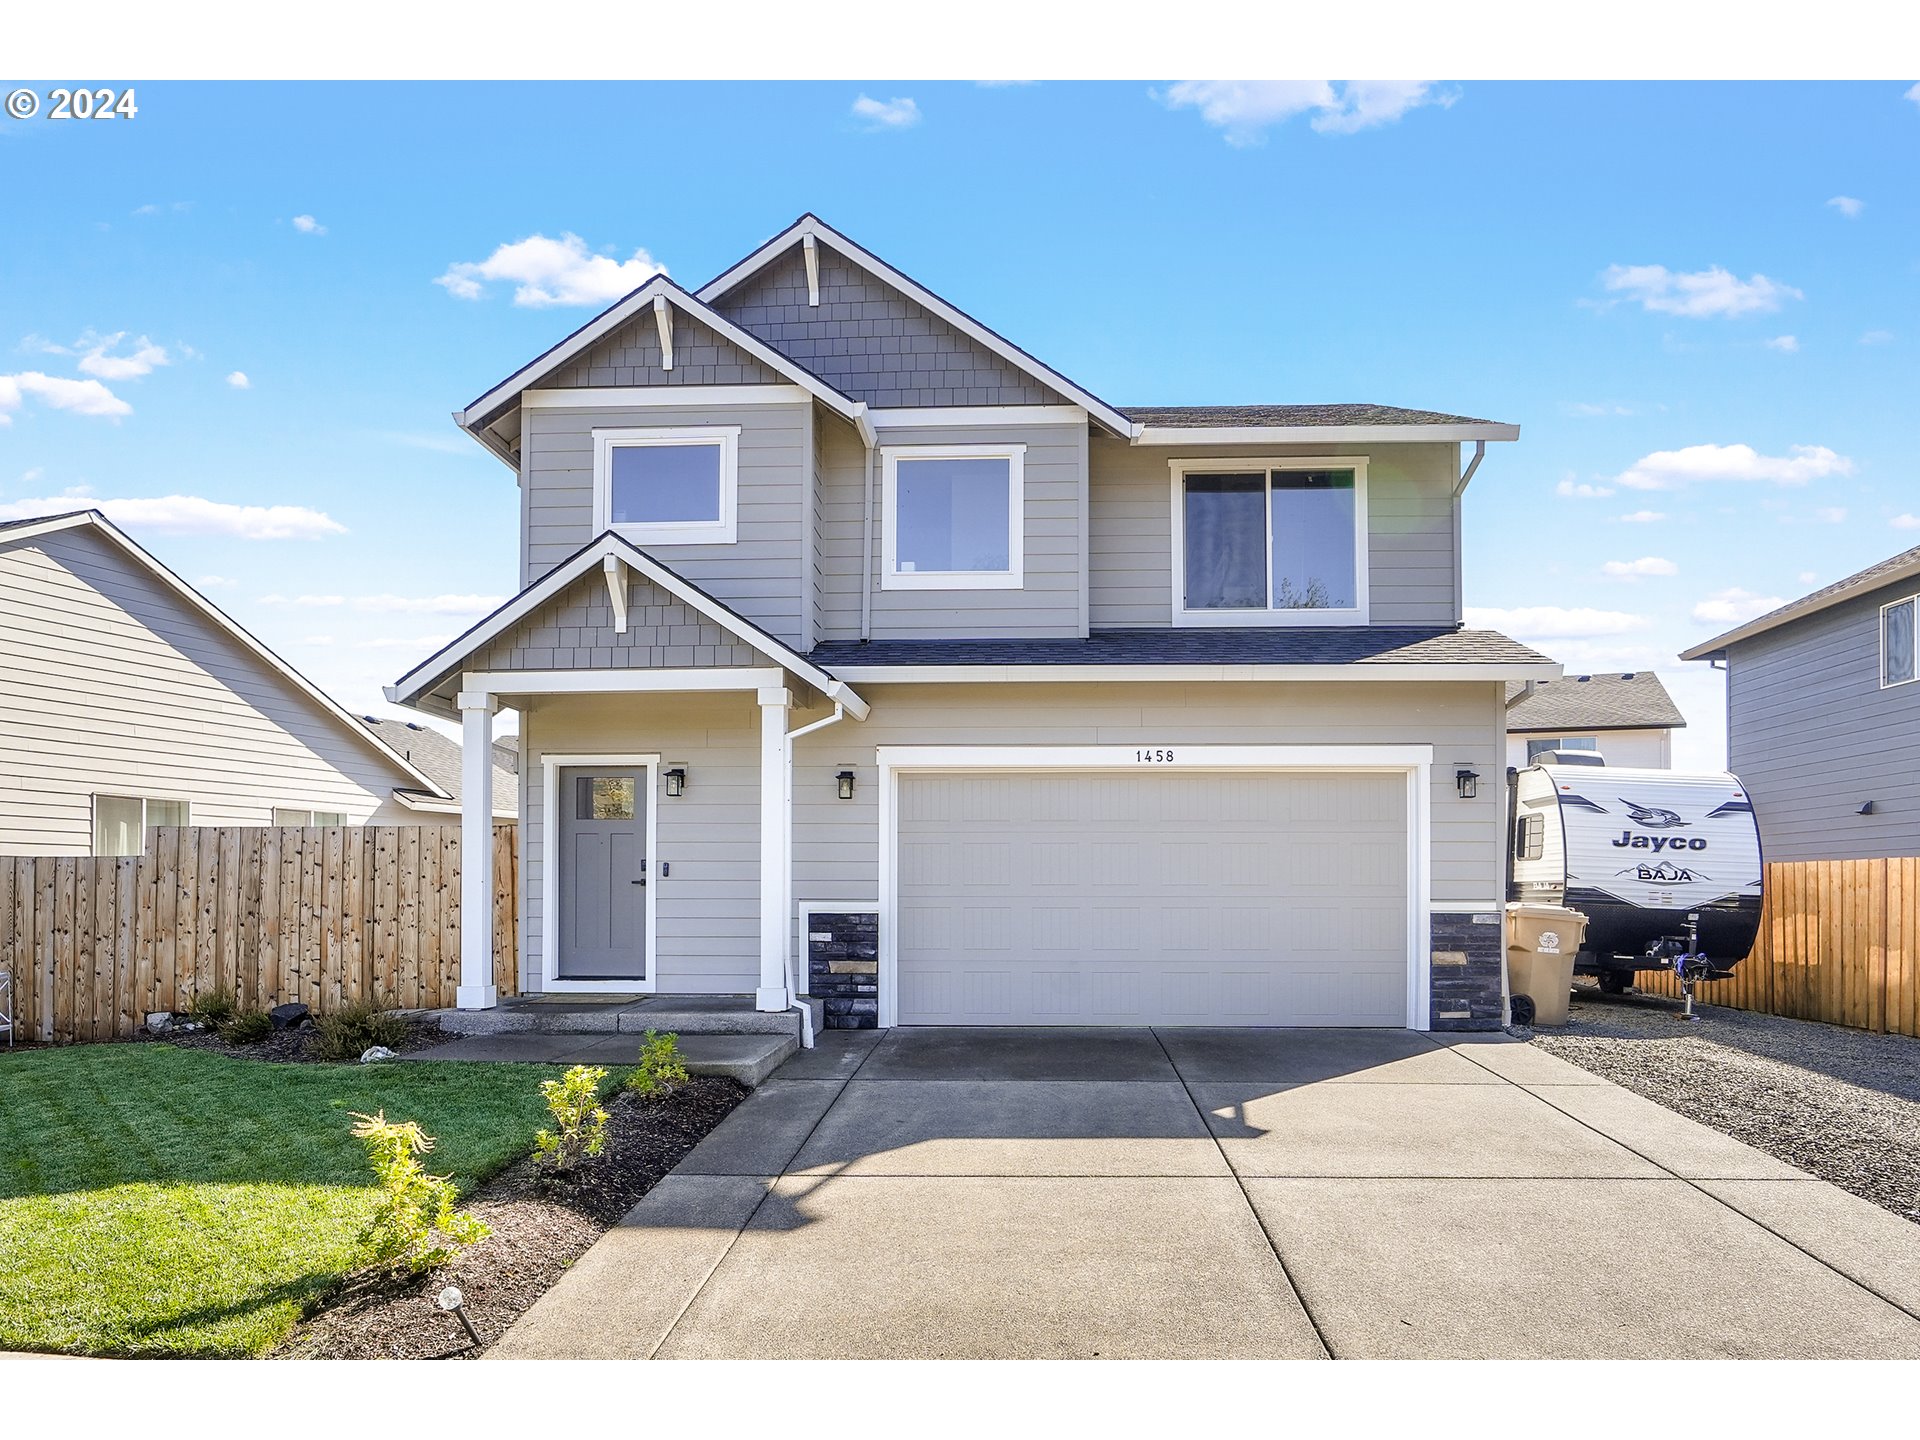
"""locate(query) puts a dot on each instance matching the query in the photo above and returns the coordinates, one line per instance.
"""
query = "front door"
(603, 873)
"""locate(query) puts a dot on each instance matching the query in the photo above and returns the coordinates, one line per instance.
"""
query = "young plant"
(348, 1033)
(212, 1008)
(245, 1027)
(661, 1070)
(414, 1225)
(579, 1124)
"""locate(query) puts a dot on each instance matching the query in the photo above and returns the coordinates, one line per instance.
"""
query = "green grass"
(160, 1201)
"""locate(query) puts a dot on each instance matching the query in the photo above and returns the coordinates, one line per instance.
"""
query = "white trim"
(776, 850)
(1841, 591)
(813, 270)
(1130, 674)
(812, 225)
(1914, 640)
(1414, 761)
(1184, 619)
(723, 529)
(1011, 578)
(1170, 435)
(601, 397)
(619, 682)
(616, 591)
(550, 768)
(663, 321)
(430, 806)
(970, 416)
(478, 990)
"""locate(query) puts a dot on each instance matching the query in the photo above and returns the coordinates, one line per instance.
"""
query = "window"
(1530, 837)
(1264, 542)
(291, 816)
(604, 797)
(1896, 641)
(954, 517)
(121, 822)
(667, 487)
(1536, 748)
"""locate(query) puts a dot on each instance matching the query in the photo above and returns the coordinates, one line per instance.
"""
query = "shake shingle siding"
(575, 631)
(631, 355)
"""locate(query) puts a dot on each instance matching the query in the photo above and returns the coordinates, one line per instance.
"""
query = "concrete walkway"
(1200, 1193)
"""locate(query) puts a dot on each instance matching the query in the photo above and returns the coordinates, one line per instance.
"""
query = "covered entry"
(1206, 889)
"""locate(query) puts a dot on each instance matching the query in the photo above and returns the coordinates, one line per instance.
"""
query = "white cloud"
(1552, 622)
(1671, 469)
(1807, 577)
(1636, 569)
(395, 604)
(1908, 521)
(316, 639)
(551, 272)
(1696, 293)
(190, 515)
(1734, 606)
(1578, 490)
(1246, 109)
(97, 360)
(239, 381)
(215, 582)
(1643, 517)
(82, 397)
(1831, 515)
(307, 225)
(1587, 408)
(178, 207)
(1785, 344)
(899, 113)
(1914, 94)
(1877, 337)
(1848, 206)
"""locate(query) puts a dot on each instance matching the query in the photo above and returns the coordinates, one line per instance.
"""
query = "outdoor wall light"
(845, 782)
(676, 782)
(1467, 782)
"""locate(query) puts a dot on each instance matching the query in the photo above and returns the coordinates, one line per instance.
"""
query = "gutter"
(839, 714)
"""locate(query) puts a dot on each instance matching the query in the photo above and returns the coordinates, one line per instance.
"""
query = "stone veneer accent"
(843, 966)
(1469, 965)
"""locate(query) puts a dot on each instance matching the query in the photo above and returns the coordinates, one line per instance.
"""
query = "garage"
(1156, 896)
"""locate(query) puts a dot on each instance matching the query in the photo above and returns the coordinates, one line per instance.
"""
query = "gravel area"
(1841, 1104)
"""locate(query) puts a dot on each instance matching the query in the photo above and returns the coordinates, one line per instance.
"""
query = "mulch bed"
(294, 1046)
(538, 1231)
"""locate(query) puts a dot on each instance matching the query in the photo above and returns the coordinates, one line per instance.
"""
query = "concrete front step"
(746, 1058)
(627, 1015)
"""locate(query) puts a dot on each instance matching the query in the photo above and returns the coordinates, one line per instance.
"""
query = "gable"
(867, 338)
(574, 630)
(631, 355)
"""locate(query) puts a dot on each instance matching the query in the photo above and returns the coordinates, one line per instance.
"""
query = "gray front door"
(603, 873)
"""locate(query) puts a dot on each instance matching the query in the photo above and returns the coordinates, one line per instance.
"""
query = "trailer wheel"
(1615, 982)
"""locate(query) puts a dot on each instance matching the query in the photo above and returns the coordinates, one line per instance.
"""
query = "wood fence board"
(407, 916)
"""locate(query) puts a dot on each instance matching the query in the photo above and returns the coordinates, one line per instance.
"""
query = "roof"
(1214, 415)
(1904, 566)
(1359, 645)
(1631, 700)
(438, 754)
(113, 534)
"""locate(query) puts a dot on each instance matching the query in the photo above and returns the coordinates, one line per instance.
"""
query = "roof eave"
(1848, 589)
(1171, 435)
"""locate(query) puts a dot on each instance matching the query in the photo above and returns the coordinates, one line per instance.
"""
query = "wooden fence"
(327, 916)
(1839, 941)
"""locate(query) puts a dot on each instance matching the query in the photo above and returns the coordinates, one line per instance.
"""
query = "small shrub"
(350, 1032)
(579, 1124)
(661, 1070)
(212, 1008)
(414, 1225)
(245, 1027)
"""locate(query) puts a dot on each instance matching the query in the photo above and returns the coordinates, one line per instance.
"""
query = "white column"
(477, 990)
(776, 848)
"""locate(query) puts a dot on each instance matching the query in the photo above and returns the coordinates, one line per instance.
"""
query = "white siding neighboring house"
(1628, 717)
(128, 700)
(438, 755)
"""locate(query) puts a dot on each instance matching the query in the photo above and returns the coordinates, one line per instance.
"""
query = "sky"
(239, 319)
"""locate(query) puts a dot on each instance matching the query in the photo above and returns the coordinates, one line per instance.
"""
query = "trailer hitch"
(1684, 957)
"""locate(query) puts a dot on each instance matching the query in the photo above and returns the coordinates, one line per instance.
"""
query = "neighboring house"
(437, 755)
(1823, 716)
(844, 617)
(1629, 718)
(128, 700)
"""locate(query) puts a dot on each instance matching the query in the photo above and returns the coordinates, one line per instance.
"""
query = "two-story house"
(840, 608)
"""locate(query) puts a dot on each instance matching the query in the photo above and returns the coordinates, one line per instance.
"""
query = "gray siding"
(110, 683)
(631, 355)
(868, 340)
(763, 575)
(1411, 555)
(574, 631)
(1814, 737)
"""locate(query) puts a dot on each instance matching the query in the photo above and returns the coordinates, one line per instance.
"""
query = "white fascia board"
(428, 805)
(973, 416)
(1175, 435)
(1128, 674)
(1177, 756)
(619, 682)
(634, 396)
(825, 234)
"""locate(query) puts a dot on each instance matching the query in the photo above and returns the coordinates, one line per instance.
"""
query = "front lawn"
(161, 1201)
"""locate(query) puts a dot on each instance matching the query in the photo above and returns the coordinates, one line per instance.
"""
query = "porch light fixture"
(676, 782)
(1467, 782)
(845, 782)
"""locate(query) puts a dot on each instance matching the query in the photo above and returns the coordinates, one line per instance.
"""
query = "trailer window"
(1530, 837)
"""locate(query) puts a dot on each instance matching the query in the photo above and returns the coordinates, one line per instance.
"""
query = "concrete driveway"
(1223, 1193)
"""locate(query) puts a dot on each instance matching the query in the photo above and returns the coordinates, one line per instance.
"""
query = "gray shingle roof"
(1355, 645)
(437, 755)
(1898, 567)
(1248, 415)
(1633, 700)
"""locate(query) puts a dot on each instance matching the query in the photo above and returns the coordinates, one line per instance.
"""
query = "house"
(128, 700)
(1823, 716)
(861, 653)
(1628, 717)
(437, 755)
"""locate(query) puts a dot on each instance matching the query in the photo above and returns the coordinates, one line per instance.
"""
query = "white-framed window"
(1270, 542)
(1897, 641)
(1536, 748)
(954, 517)
(668, 486)
(296, 815)
(121, 822)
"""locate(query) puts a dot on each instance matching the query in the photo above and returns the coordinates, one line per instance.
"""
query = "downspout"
(793, 992)
(866, 531)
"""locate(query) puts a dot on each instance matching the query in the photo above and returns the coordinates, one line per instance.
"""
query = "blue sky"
(1701, 302)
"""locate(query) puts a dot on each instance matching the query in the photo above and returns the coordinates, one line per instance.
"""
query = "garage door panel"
(1130, 897)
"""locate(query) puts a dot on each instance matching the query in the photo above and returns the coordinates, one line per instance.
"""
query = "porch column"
(776, 848)
(477, 991)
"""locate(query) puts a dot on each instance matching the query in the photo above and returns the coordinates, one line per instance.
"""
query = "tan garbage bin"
(1541, 943)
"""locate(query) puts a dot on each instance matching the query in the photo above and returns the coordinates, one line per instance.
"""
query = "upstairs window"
(1537, 748)
(1270, 543)
(668, 487)
(954, 517)
(1896, 642)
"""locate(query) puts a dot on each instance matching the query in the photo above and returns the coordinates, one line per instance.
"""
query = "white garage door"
(1152, 897)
